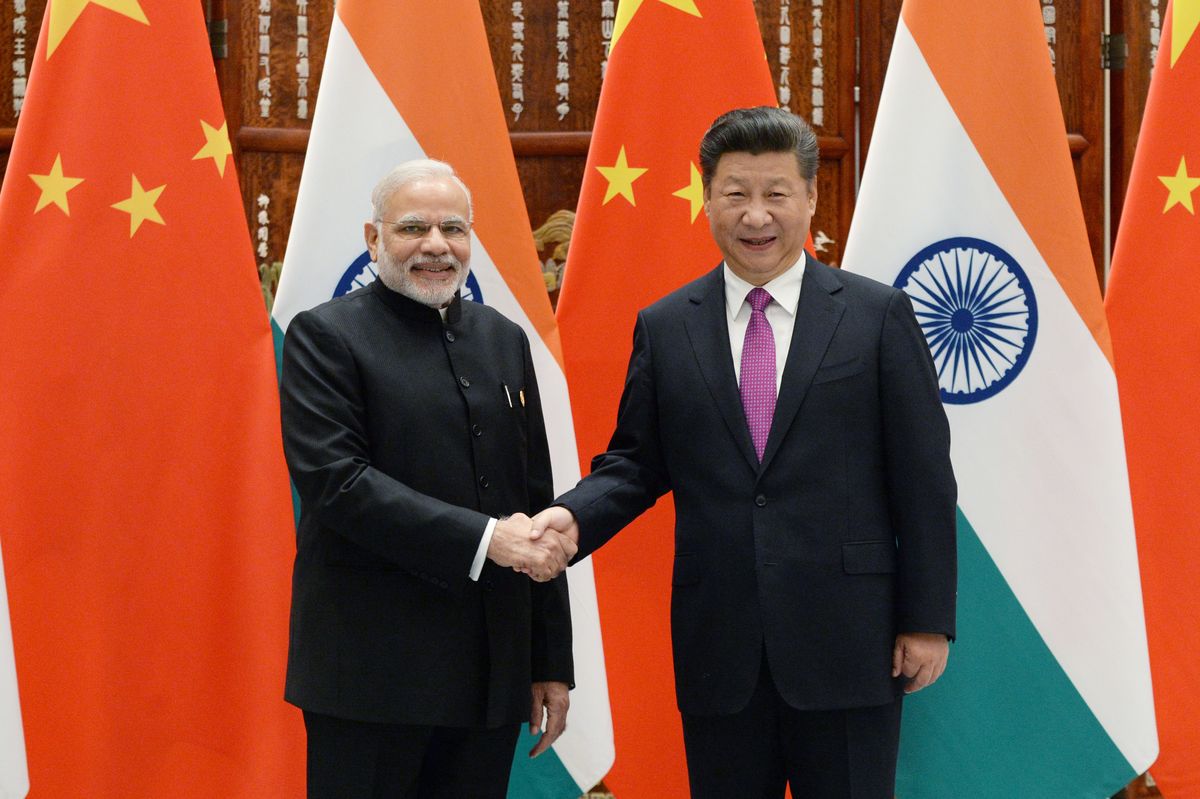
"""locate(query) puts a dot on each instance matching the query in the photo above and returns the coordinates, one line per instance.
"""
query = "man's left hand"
(921, 657)
(553, 698)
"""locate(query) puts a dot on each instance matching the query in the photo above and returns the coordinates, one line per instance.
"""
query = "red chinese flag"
(640, 232)
(144, 504)
(1153, 307)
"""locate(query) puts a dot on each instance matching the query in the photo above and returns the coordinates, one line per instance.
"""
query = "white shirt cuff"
(481, 553)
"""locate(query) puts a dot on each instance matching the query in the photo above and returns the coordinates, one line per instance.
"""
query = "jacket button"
(483, 481)
(449, 335)
(465, 382)
(476, 430)
(760, 501)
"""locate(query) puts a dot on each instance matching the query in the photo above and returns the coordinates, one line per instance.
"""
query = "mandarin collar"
(411, 309)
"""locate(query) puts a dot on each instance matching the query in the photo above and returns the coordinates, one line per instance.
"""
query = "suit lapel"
(817, 317)
(708, 331)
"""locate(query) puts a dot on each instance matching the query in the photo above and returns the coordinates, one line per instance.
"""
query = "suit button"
(449, 335)
(760, 501)
(465, 382)
(483, 481)
(476, 430)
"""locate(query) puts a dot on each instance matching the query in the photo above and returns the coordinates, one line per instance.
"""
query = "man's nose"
(434, 243)
(756, 214)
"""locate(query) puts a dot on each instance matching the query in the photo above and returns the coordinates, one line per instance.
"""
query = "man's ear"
(371, 234)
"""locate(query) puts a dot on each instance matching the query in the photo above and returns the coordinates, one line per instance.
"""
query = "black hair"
(763, 129)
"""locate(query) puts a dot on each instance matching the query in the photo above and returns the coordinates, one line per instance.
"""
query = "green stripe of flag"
(1004, 720)
(543, 777)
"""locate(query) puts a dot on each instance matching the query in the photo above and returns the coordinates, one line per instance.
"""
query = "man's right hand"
(543, 557)
(556, 519)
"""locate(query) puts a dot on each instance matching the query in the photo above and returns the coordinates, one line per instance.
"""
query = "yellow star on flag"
(1180, 185)
(54, 187)
(620, 177)
(65, 13)
(693, 192)
(1183, 24)
(140, 206)
(216, 145)
(628, 8)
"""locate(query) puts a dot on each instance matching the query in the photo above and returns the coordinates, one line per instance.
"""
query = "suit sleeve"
(552, 656)
(630, 476)
(325, 442)
(922, 492)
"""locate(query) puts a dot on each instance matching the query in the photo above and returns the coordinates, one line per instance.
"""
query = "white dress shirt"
(781, 314)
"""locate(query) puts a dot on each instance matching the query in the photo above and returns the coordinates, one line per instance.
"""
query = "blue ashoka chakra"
(978, 312)
(362, 271)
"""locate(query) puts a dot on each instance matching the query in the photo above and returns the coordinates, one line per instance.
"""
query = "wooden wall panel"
(1073, 30)
(1140, 22)
(20, 23)
(276, 50)
(548, 57)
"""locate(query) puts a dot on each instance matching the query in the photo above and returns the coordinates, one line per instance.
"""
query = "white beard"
(398, 278)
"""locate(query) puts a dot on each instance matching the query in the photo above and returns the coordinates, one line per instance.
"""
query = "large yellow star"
(64, 14)
(216, 145)
(54, 187)
(1186, 16)
(628, 8)
(620, 177)
(140, 206)
(1180, 185)
(693, 192)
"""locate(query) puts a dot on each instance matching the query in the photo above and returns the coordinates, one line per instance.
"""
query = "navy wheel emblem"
(362, 272)
(977, 310)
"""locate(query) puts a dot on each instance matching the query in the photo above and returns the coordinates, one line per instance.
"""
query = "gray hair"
(764, 129)
(410, 172)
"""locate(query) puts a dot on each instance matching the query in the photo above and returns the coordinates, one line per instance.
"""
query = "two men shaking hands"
(540, 547)
(791, 408)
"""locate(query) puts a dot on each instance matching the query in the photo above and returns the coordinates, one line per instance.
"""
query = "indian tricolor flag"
(414, 79)
(969, 204)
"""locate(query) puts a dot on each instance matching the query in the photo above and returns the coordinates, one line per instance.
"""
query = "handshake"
(540, 547)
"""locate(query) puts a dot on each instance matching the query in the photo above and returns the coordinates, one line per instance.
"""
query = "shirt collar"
(784, 289)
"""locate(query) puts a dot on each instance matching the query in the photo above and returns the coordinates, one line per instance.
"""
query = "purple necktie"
(758, 371)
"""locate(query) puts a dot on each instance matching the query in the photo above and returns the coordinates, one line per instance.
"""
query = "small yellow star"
(65, 13)
(54, 187)
(628, 8)
(1185, 17)
(620, 177)
(693, 192)
(1180, 185)
(140, 206)
(216, 145)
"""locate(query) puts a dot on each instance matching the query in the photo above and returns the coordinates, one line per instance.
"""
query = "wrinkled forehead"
(431, 199)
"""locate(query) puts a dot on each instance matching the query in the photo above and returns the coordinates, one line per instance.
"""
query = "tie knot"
(759, 298)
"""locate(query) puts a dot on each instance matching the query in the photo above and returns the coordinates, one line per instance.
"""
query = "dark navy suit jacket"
(841, 538)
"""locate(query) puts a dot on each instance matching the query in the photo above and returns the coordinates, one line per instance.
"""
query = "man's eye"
(413, 230)
(453, 229)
